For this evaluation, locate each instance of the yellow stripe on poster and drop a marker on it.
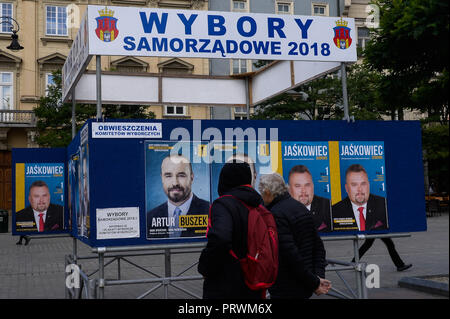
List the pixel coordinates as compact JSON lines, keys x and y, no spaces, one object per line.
{"x":276,"y":157}
{"x":20,"y":186}
{"x":335,"y":172}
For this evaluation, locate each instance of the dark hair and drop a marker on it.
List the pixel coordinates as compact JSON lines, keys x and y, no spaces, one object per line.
{"x":250,"y":161}
{"x":355,"y":168}
{"x":233,"y":175}
{"x":299,"y":169}
{"x":38,"y":184}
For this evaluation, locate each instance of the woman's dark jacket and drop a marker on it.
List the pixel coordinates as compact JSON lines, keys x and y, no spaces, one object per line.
{"x":301,"y":251}
{"x":228,"y":230}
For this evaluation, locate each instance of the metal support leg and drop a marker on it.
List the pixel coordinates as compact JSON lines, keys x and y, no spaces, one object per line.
{"x":92,"y":289}
{"x":363,"y":282}
{"x":359,"y":282}
{"x":74,"y":122}
{"x":167,"y":272}
{"x":98,"y":70}
{"x":118,"y":268}
{"x":344,"y":92}
{"x":75,"y":250}
{"x":101,"y":275}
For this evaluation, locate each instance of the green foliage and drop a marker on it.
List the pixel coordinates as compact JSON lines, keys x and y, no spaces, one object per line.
{"x":316,"y":100}
{"x":363,"y":93}
{"x":435,"y":141}
{"x":411,"y":49}
{"x":54,"y":122}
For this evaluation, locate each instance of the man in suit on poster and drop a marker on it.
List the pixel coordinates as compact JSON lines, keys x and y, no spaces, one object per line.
{"x":177,"y":177}
{"x":360,"y":210}
{"x":301,"y":188}
{"x":41,"y":215}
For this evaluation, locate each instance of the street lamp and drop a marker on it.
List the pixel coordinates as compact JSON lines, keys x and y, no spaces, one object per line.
{"x":14,"y":46}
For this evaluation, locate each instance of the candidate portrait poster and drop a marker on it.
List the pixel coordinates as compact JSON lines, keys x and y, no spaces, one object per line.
{"x":40,"y":207}
{"x":177,"y":189}
{"x":256,"y":153}
{"x":360,"y":202}
{"x":306,"y":170}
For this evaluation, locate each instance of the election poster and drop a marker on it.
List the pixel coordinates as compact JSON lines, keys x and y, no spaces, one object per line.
{"x":256,"y":153}
{"x":39,"y":197}
{"x":83,"y":212}
{"x":177,"y":189}
{"x":359,"y":202}
{"x":306,"y":170}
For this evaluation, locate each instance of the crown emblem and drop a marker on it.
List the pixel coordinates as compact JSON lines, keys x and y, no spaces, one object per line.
{"x":106,"y":12}
{"x":341,"y":23}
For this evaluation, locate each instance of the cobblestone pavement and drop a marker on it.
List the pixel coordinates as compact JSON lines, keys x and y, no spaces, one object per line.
{"x":38,"y":270}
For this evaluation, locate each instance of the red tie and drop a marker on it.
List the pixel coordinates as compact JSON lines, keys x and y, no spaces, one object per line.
{"x":362,"y":220}
{"x":41,"y":222}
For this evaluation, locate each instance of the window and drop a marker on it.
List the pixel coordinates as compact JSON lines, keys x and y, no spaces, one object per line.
{"x":239,"y":6}
{"x":239,"y":66}
{"x":48,"y":81}
{"x":363,"y":37}
{"x":6,"y":91}
{"x":284,"y":8}
{"x":56,"y":20}
{"x":240,"y":113}
{"x":171,"y":110}
{"x":5,"y":11}
{"x":320,"y":9}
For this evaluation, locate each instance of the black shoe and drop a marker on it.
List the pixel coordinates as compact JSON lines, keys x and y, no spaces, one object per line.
{"x":404,"y":267}
{"x":19,"y":243}
{"x":27,"y":241}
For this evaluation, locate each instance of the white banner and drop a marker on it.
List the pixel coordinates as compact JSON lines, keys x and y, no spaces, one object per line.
{"x":126,"y":130}
{"x":77,"y":60}
{"x":134,"y":31}
{"x":114,"y":223}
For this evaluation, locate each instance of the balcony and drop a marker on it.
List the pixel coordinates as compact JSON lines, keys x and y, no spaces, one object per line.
{"x":17,"y":118}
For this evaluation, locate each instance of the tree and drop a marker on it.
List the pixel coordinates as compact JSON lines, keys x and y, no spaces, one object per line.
{"x":54,"y":119}
{"x":410,"y":48}
{"x":316,"y":100}
{"x":363,"y":87}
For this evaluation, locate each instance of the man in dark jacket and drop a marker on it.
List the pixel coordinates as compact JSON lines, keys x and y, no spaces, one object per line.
{"x":228,"y":222}
{"x":301,"y":269}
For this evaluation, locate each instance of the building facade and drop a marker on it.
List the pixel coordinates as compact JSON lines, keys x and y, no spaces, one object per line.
{"x":235,"y":66}
{"x":47,"y":31}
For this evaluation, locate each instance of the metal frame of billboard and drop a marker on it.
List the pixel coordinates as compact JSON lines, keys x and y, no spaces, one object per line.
{"x":80,"y":56}
{"x":292,"y":70}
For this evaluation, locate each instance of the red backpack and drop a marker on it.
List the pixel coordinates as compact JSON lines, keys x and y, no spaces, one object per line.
{"x":260,"y":266}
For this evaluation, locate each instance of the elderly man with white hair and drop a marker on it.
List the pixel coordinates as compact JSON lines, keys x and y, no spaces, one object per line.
{"x":301,"y":252}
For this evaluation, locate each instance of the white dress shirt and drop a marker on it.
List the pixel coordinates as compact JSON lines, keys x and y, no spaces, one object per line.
{"x":184,"y":207}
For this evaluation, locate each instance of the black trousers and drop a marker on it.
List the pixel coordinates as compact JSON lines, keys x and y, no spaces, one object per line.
{"x":398,"y":262}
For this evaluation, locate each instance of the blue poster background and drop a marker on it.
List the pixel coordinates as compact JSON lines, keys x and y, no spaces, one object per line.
{"x":154,"y":192}
{"x":55,"y":182}
{"x":294,"y":153}
{"x":374,"y":164}
{"x":220,"y":153}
